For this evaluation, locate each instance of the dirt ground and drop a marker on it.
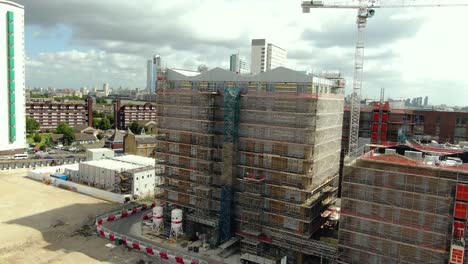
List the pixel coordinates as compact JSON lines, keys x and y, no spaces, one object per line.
{"x":42,"y":224}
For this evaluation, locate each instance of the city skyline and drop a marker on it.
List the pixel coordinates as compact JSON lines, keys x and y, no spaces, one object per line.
{"x":397,"y":42}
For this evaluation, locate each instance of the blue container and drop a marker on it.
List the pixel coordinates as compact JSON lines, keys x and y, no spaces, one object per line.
{"x":59,"y":176}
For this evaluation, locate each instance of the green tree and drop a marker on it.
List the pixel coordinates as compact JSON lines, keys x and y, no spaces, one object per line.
{"x":135,"y":127}
{"x":43,"y":147}
{"x":67,"y":132}
{"x":101,"y":101}
{"x":111,"y":118}
{"x":37,"y":138}
{"x":31,"y":125}
{"x":47,"y":141}
{"x":98,"y":114}
{"x":95,"y":123}
{"x":104,"y":124}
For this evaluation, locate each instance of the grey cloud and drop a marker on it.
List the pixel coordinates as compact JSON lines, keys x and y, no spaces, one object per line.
{"x":135,"y":25}
{"x":381,"y":30}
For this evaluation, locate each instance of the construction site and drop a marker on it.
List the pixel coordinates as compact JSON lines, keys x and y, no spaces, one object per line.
{"x":251,"y":161}
{"x":404,"y":204}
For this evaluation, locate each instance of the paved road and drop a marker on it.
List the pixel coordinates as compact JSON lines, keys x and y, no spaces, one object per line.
{"x":131,"y":227}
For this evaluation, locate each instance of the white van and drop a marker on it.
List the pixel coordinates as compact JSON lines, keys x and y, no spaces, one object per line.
{"x":20,"y":156}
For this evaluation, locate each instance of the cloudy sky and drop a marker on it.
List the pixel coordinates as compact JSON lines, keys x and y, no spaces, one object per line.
{"x":410,"y":52}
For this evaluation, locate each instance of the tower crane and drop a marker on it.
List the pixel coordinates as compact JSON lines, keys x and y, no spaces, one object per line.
{"x":366,"y":9}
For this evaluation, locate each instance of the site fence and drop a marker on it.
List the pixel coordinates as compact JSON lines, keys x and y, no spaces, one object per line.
{"x":151,"y":250}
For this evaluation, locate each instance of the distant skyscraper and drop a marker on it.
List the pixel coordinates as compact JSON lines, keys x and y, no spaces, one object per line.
{"x":426,"y":101}
{"x":153,"y":66}
{"x":12,"y":115}
{"x":266,"y":57}
{"x":106,"y":89}
{"x":84,"y":90}
{"x":238,"y":65}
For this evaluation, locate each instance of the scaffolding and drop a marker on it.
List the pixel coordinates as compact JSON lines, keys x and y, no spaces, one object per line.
{"x":287,"y":174}
{"x":259,"y":157}
{"x":189,"y":148}
{"x":395,"y":209}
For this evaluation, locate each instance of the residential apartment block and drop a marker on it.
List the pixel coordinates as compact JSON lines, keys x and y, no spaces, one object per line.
{"x":128,"y":113}
{"x":50,"y":114}
{"x":252,"y":156}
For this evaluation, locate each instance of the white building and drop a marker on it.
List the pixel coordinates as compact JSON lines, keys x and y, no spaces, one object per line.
{"x":152,"y":68}
{"x":276,"y":57}
{"x":99,"y":153}
{"x":84,"y":90}
{"x":12,"y":115}
{"x":118,"y":176}
{"x":265,"y":57}
{"x":144,"y":161}
{"x":106,"y":89}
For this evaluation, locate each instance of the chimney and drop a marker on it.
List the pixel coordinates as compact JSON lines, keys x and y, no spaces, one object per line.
{"x":117,"y":114}
{"x":90,"y":111}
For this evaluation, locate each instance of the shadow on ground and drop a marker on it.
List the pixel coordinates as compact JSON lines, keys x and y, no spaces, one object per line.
{"x":71,"y":229}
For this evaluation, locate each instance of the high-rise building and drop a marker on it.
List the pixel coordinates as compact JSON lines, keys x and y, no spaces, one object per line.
{"x":153,"y":66}
{"x":404,"y":204}
{"x":238,"y":64}
{"x":426,"y":101}
{"x":12,"y":115}
{"x":265,"y":57}
{"x":276,"y":57}
{"x":84,"y":91}
{"x":252,"y":156}
{"x":106,"y":89}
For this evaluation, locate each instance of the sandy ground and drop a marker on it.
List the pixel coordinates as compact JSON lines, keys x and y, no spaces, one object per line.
{"x":38,"y":224}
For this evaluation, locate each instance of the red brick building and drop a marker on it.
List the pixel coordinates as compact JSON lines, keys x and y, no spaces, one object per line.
{"x":442,"y":126}
{"x":127,"y":113}
{"x":50,"y":114}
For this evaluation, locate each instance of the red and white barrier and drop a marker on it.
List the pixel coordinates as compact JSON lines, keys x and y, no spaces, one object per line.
{"x":136,"y":244}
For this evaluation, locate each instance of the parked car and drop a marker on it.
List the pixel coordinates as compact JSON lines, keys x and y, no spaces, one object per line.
{"x":52,"y":152}
{"x":48,"y":157}
{"x":70,"y":157}
{"x":37,"y":157}
{"x":59,"y":146}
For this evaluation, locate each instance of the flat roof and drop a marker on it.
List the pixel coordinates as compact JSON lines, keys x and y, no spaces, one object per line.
{"x":99,"y":149}
{"x":402,"y":160}
{"x":139,"y":160}
{"x":112,"y":164}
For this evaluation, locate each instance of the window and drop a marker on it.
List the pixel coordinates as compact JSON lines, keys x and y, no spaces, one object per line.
{"x":137,"y":178}
{"x":137,"y":189}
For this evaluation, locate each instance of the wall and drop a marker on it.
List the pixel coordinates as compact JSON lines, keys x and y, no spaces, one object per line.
{"x":442,"y":124}
{"x":256,"y":58}
{"x":98,"y":177}
{"x":144,"y":183}
{"x":42,"y":175}
{"x":96,"y":154}
{"x":130,"y":144}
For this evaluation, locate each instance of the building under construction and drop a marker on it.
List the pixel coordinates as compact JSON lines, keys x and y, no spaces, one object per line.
{"x":404,"y":204}
{"x":252,"y":157}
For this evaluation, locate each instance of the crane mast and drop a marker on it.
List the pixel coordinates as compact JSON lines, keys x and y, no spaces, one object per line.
{"x":363,"y":14}
{"x":365,"y":10}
